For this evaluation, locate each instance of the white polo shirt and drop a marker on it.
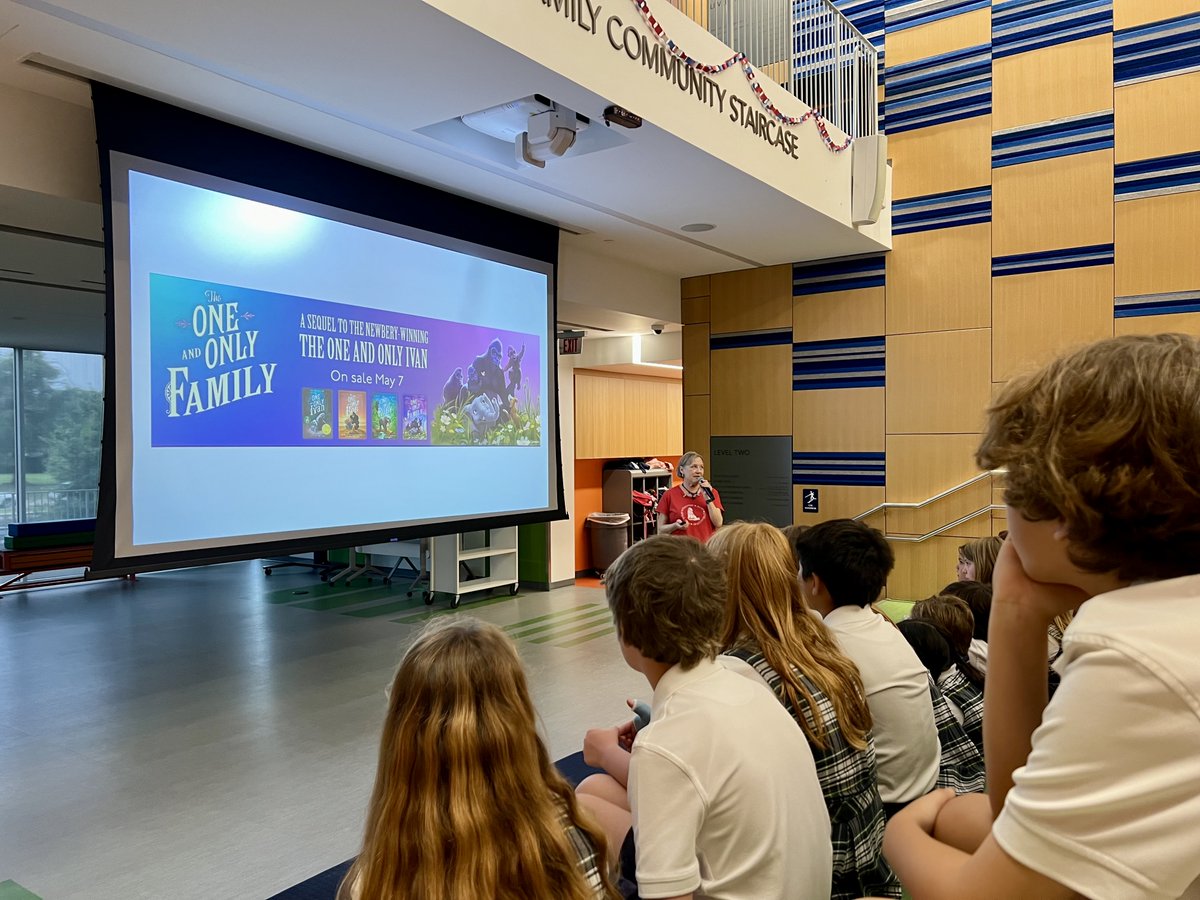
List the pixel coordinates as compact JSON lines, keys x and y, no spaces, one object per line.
{"x":977,"y":654}
{"x":1108,"y":803}
{"x":724,"y":793}
{"x":907,"y":751}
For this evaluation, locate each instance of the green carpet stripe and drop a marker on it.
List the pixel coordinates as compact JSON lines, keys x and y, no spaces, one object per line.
{"x":10,"y":890}
{"x":896,"y":610}
{"x":466,"y":607}
{"x":552,"y":615}
{"x":593,"y":614}
{"x":385,"y":608}
{"x":566,"y":632}
{"x":575,"y":642}
{"x":316,"y":591}
{"x":343,"y":599}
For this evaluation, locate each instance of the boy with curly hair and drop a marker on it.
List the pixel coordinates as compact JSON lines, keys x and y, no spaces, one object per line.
{"x":1102,"y":451}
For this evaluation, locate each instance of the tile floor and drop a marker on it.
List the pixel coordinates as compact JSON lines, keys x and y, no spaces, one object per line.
{"x":211,"y":733}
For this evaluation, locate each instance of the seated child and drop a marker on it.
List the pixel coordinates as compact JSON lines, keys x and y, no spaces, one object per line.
{"x":933,"y":650}
{"x":770,"y":628}
{"x":977,"y":559}
{"x":843,"y":569}
{"x":718,"y":795}
{"x":467,"y":802}
{"x":978,"y":597}
{"x":960,"y":682}
{"x":1096,"y":794}
{"x":791,"y":534}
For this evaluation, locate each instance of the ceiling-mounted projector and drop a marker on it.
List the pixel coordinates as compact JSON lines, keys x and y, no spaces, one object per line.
{"x":548,"y":135}
{"x":539,"y":128}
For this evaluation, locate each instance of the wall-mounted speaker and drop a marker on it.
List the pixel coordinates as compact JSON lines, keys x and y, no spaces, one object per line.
{"x":869,"y":183}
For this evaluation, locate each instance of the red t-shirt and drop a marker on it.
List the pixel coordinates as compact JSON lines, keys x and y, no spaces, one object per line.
{"x":677,"y":505}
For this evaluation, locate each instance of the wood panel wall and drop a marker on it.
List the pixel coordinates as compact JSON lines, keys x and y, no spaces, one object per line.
{"x":951,"y":318}
{"x":626,"y":415}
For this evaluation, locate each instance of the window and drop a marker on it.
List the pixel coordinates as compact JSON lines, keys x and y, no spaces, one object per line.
{"x":50,"y":466}
{"x":8,"y":438}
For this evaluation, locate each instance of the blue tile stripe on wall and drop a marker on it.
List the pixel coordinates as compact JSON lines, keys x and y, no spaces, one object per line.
{"x":1169,"y":47}
{"x":902,"y":14}
{"x":772,"y":337}
{"x":864,"y":469}
{"x":1156,"y":304}
{"x":1052,"y":260}
{"x":840,"y":275}
{"x":1062,"y":137}
{"x":1019,"y":26}
{"x":1174,"y":174}
{"x":846,"y":363}
{"x":939,"y":89}
{"x":945,"y":210}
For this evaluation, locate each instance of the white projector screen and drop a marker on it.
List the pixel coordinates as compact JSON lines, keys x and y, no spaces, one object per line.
{"x":286,"y":372}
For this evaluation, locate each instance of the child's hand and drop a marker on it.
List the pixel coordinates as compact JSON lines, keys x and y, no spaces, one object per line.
{"x":599,"y":745}
{"x":1012,"y":585}
{"x":626,"y":732}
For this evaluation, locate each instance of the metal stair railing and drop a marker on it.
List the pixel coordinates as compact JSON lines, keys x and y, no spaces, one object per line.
{"x":809,"y":47}
{"x":917,"y":539}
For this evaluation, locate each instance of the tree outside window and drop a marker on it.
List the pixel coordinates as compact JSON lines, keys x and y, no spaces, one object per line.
{"x":62,"y":411}
{"x":8,"y":438}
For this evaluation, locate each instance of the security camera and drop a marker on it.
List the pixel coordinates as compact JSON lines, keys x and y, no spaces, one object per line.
{"x":658,"y":327}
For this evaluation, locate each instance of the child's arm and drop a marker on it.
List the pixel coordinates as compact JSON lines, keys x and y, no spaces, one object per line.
{"x":964,"y":822}
{"x":1016,"y":692}
{"x":607,"y":749}
{"x":931,"y":870}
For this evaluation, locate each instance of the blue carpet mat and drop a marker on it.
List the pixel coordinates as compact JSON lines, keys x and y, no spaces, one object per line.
{"x":324,"y":885}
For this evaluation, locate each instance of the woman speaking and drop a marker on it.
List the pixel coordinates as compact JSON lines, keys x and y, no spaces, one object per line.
{"x":692,"y":508}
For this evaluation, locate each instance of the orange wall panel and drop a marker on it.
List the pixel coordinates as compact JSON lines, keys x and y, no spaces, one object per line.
{"x":589,"y":498}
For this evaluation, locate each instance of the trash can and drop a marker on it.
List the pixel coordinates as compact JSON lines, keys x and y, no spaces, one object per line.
{"x":608,"y":536}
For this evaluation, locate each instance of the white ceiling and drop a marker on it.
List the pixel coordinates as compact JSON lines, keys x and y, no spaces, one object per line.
{"x":358,"y":80}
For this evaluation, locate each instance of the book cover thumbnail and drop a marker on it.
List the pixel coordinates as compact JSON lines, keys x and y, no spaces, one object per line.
{"x":416,"y":417}
{"x":316,"y":414}
{"x":352,"y":415}
{"x":383,"y":417}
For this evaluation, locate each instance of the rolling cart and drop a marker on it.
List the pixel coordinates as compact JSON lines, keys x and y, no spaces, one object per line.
{"x":471,"y":562}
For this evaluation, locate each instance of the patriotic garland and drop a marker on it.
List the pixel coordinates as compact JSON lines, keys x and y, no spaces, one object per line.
{"x":739,"y":58}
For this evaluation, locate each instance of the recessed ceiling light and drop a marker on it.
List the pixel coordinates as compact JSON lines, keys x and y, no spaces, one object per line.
{"x":698,"y":226}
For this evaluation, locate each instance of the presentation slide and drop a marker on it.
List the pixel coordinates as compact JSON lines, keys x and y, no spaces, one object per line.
{"x":291,"y":370}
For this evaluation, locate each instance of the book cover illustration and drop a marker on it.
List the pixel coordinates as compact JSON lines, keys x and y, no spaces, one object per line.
{"x":317,"y":413}
{"x":490,"y":400}
{"x":416,"y":417}
{"x":383,"y":417}
{"x":352,"y":415}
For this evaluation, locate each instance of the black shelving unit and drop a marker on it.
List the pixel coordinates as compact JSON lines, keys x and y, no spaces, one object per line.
{"x":619,"y":485}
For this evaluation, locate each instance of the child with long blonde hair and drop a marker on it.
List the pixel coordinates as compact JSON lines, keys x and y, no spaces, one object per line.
{"x":467,"y":803}
{"x":770,"y":628}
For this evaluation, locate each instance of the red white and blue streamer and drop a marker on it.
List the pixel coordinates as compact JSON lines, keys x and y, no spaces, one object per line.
{"x":739,"y":59}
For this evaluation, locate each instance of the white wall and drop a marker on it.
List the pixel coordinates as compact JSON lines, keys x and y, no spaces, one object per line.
{"x":562,"y":534}
{"x":591,"y":279}
{"x":49,"y":146}
{"x":815,"y":177}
